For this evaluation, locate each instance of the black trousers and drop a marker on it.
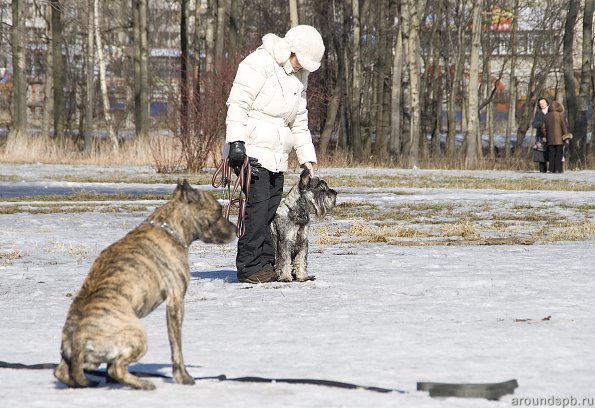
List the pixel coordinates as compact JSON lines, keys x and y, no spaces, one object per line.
{"x":254,"y":248}
{"x":555,"y":153}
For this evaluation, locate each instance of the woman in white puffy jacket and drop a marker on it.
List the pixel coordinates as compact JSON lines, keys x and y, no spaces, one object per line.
{"x":267,"y":118}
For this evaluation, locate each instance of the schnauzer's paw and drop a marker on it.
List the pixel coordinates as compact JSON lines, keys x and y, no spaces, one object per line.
{"x":305,"y":278}
{"x":284,"y":277}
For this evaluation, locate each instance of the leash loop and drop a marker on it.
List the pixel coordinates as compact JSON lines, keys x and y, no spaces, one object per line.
{"x":239,"y":195}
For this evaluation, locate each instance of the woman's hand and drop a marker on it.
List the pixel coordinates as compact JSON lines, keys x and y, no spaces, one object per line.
{"x":308,"y":165}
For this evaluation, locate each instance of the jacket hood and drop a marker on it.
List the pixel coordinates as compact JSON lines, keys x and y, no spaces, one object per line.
{"x":556,"y":106}
{"x":277,"y":47}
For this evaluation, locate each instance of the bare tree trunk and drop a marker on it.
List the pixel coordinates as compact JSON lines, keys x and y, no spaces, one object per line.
{"x":568,"y":45}
{"x":382,"y":68}
{"x":511,"y":122}
{"x":90,"y":67}
{"x":435,"y":97}
{"x":48,"y":98}
{"x":592,"y":152}
{"x":331,"y":117}
{"x":394,"y":145}
{"x":235,"y":22}
{"x":103,"y":79}
{"x":210,"y":35}
{"x":410,"y":14}
{"x":473,"y":99}
{"x":490,"y":129}
{"x":184,"y":71}
{"x":459,"y":66}
{"x":58,"y":68}
{"x":19,"y":120}
{"x":293,"y":13}
{"x":141,"y":69}
{"x":578,"y":145}
{"x":356,"y":84}
{"x":222,"y":12}
{"x":302,"y":11}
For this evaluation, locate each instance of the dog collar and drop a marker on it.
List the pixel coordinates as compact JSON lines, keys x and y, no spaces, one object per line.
{"x":169,"y":229}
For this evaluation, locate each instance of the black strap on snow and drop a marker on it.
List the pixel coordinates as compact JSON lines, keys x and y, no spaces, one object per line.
{"x":222,"y":377}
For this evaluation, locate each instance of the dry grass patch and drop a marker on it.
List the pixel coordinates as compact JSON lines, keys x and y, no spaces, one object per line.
{"x":89,"y":196}
{"x":463,"y":182}
{"x":11,"y":254}
{"x":569,"y":232}
{"x":71,"y":208}
{"x":45,"y":150}
{"x":462,"y":228}
{"x":324,"y":237}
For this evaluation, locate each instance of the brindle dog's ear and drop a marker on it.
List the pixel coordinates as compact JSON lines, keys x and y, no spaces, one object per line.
{"x":178,"y":190}
{"x":189,"y":194}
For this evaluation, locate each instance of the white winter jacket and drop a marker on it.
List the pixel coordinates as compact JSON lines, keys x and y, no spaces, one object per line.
{"x":266,"y":107}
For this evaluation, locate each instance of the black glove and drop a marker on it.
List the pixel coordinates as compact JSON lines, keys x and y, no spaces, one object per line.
{"x":237,"y":155}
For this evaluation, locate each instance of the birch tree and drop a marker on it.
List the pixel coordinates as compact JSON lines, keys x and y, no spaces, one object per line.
{"x":90,"y":68}
{"x":19,"y":117}
{"x":472,"y":135}
{"x":455,"y":75}
{"x":103,"y":79}
{"x":293,"y":13}
{"x":356,"y":83}
{"x":210,"y":23}
{"x":394,"y":144}
{"x":410,"y":15}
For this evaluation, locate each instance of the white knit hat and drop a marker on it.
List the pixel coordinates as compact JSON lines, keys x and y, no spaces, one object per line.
{"x":307,"y":45}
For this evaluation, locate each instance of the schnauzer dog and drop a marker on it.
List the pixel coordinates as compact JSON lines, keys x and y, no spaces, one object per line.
{"x":289,"y":228}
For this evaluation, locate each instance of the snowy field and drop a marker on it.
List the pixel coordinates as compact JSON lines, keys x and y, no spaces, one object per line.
{"x":379,"y":314}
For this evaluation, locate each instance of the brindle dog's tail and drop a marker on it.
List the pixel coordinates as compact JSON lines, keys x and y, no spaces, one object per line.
{"x":77,"y":365}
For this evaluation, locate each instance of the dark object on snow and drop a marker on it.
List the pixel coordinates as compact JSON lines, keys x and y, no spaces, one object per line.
{"x":491,"y":391}
{"x":221,"y":377}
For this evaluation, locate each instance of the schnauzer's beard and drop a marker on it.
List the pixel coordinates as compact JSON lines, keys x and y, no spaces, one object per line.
{"x":321,"y":201}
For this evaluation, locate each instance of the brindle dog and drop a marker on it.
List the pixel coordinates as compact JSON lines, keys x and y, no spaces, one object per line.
{"x":128,"y":281}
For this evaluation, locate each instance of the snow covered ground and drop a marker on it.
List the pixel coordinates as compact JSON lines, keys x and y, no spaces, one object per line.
{"x":377,"y":315}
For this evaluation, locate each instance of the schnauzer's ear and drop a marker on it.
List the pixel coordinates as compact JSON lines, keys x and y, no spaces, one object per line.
{"x":304,"y":179}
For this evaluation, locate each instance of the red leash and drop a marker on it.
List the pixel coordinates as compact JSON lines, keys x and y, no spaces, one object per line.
{"x":222,"y":178}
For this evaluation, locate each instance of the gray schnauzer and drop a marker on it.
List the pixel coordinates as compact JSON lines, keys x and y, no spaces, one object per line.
{"x":289,"y":228}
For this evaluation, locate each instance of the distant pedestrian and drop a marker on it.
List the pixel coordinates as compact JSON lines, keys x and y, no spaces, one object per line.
{"x":555,"y":126}
{"x":540,"y":146}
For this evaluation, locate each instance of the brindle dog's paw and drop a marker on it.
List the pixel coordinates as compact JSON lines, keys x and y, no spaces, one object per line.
{"x":145,"y":385}
{"x":181,"y":376}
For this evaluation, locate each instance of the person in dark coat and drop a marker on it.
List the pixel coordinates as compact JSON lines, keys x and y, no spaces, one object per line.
{"x":555,"y":126}
{"x":540,"y":148}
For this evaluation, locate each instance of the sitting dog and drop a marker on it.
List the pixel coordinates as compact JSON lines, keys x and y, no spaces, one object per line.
{"x":289,"y":228}
{"x":128,"y":281}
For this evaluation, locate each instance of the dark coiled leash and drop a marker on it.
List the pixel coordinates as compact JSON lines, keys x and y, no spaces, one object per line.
{"x":490,"y":391}
{"x":222,"y":178}
{"x":222,"y":377}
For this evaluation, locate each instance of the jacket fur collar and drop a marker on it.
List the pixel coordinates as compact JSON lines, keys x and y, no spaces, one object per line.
{"x":277,"y":47}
